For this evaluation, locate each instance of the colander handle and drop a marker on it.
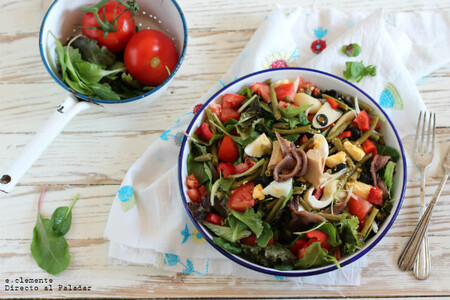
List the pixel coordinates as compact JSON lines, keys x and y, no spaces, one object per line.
{"x":41,"y":140}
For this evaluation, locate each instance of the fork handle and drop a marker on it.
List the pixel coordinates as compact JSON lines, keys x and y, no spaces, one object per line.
{"x":409,"y":254}
{"x":422,"y":265}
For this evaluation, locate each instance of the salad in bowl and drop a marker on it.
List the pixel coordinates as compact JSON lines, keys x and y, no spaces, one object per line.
{"x":292,"y":172}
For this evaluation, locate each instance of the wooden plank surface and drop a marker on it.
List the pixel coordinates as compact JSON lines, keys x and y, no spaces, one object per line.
{"x":96,"y":149}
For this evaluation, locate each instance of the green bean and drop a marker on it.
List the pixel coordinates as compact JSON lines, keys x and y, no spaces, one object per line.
{"x":365,"y":106}
{"x":249,"y":171}
{"x":271,"y":204}
{"x":249,"y":178}
{"x":306,"y":144}
{"x":214,"y":151}
{"x":203,"y":157}
{"x":301,"y":129}
{"x":275,"y":209}
{"x":338,"y":145}
{"x":210,"y":120}
{"x":375,"y":136}
{"x":266,"y":107}
{"x":366,"y":134}
{"x":339,"y":130}
{"x":281,"y":125}
{"x":264,"y":167}
{"x":273,"y":97}
{"x":332,"y":217}
{"x":350,"y":162}
{"x":368,"y":225}
{"x":305,"y":205}
{"x":342,"y":105}
{"x":298,"y":190}
{"x":360,"y":163}
{"x":332,"y":151}
{"x":247,"y":103}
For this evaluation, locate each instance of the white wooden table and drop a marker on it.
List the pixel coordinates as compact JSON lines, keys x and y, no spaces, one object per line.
{"x":93,"y":153}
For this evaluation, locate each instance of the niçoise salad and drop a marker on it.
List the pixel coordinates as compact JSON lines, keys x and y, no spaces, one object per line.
{"x":289,"y":176}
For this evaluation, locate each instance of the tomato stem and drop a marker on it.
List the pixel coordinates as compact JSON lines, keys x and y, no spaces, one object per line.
{"x":105,"y":26}
{"x":155,"y":62}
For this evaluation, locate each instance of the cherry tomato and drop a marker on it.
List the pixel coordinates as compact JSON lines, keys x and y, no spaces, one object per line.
{"x":242,"y":197}
{"x":192,"y":181}
{"x":114,"y":41}
{"x":215,"y":219}
{"x":194,"y":195}
{"x":150,"y":56}
{"x":228,"y":150}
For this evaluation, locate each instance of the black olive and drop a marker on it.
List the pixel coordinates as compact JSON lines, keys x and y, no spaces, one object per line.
{"x":348,"y":100}
{"x":263,"y":180}
{"x":322,"y":120}
{"x":365,"y":177}
{"x":355,"y":133}
{"x":299,"y":183}
{"x":339,"y":167}
{"x":331,"y":93}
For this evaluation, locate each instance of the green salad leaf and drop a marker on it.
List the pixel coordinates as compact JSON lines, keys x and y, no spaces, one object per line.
{"x":227,"y":245}
{"x":388,"y":174}
{"x":347,"y":229}
{"x":251,"y":219}
{"x":227,"y":232}
{"x":351,"y":50}
{"x":355,"y":71}
{"x":388,"y":151}
{"x":62,"y":218}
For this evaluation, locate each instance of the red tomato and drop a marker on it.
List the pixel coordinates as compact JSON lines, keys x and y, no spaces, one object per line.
{"x":242,"y":197}
{"x":194,"y":195}
{"x":282,"y":104}
{"x":362,"y":121}
{"x":202,"y":190}
{"x":215,"y":219}
{"x":150,"y":56}
{"x":232,"y":100}
{"x":285,"y":92}
{"x":345,"y":134}
{"x":241,"y":168}
{"x":251,"y":240}
{"x":317,"y":193}
{"x":227,"y":169}
{"x":300,"y":243}
{"x":125,"y":27}
{"x":192,"y":182}
{"x":376,"y":196}
{"x":204,"y":131}
{"x":359,"y":207}
{"x":261,"y":89}
{"x":228,"y":113}
{"x":228,"y":150}
{"x":321,"y":237}
{"x":216,"y":109}
{"x":332,"y":103}
{"x":303,"y":140}
{"x":369,"y":147}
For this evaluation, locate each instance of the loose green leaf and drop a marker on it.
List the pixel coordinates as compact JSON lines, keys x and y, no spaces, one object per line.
{"x":251,"y":219}
{"x":355,"y":71}
{"x":62,"y":218}
{"x":351,"y":50}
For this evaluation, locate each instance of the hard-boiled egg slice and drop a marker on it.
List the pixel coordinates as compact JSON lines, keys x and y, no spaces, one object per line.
{"x":325,"y":116}
{"x":278,"y":189}
{"x":320,"y":142}
{"x":260,"y":146}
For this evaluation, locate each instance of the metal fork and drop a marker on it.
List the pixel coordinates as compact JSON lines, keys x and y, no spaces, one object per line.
{"x":423,"y":155}
{"x":406,"y":259}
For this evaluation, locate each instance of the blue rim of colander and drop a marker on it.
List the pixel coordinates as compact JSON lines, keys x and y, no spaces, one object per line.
{"x":292,"y":273}
{"x":96,"y":100}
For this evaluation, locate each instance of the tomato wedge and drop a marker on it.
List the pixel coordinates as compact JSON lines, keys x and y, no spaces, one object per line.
{"x":227,"y":169}
{"x":192,"y":181}
{"x":261,"y":89}
{"x":321,"y":237}
{"x":242,"y":197}
{"x":228,"y":113}
{"x":213,"y":218}
{"x":376,"y":196}
{"x":285,"y":92}
{"x":194,"y":195}
{"x":204,"y":131}
{"x":232,"y":100}
{"x":251,"y":240}
{"x":369,"y":147}
{"x":359,"y":207}
{"x":362,"y":121}
{"x":228,"y":150}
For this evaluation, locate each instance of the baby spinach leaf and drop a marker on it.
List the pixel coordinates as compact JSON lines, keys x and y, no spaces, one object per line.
{"x":49,"y":250}
{"x":351,"y":50}
{"x":62,"y":218}
{"x":388,"y":151}
{"x":93,"y":53}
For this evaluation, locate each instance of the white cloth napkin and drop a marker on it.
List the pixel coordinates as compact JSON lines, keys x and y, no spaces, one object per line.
{"x":148,"y":223}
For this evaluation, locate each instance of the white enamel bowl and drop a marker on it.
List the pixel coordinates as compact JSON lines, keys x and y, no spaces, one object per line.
{"x":323,"y":81}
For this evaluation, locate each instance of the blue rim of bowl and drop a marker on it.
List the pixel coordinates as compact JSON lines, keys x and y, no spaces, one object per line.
{"x":96,"y":100}
{"x":294,"y":273}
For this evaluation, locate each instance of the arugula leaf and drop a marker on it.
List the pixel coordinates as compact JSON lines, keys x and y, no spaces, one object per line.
{"x":355,"y":71}
{"x":62,"y":218}
{"x":347,"y":229}
{"x":251,"y":219}
{"x":333,"y":237}
{"x":226,"y":245}
{"x":265,"y":236}
{"x":351,"y":50}
{"x":226,"y":233}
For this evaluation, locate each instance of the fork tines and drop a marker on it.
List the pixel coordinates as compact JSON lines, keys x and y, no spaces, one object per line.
{"x":425,"y":130}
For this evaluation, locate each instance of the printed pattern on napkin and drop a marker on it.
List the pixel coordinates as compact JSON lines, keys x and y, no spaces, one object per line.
{"x":148,"y":223}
